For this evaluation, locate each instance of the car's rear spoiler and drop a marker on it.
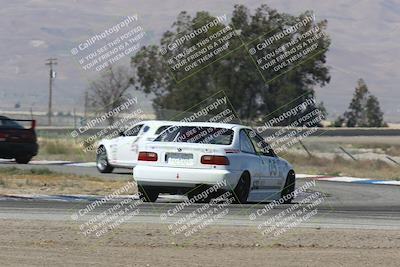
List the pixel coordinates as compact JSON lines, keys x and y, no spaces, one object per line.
{"x":33,"y":122}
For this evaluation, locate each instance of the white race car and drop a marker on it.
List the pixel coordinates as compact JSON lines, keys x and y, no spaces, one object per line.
{"x":122,"y":150}
{"x":190,"y":158}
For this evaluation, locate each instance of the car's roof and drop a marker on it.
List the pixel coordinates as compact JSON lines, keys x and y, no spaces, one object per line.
{"x":201,"y":124}
{"x":211,"y":124}
{"x":155,"y":122}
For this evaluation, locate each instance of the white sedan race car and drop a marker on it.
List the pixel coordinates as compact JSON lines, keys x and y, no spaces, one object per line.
{"x":122,"y":150}
{"x":191,"y":158}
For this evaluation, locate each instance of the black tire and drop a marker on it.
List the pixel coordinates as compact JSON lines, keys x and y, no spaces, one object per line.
{"x":148,"y":194}
{"x":23,"y":159}
{"x":197,"y":191}
{"x":242,"y":189}
{"x":289,"y":187}
{"x":102,"y":162}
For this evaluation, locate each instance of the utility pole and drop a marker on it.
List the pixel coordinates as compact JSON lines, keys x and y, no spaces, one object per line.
{"x":85,"y":113}
{"x":74,"y":118}
{"x":52,"y":74}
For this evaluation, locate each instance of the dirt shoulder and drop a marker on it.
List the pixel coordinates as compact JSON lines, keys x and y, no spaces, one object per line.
{"x":47,"y":182}
{"x":38,"y":243}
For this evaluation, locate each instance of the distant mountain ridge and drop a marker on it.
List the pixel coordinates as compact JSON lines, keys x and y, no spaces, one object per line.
{"x":365,"y":44}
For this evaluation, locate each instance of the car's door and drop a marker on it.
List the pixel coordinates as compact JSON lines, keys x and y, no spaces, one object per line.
{"x":250,"y":159}
{"x":271,"y":174}
{"x":127,"y":145}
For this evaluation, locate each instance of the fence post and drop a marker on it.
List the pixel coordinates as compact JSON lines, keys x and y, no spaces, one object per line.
{"x":305,"y":148}
{"x":348,"y":154}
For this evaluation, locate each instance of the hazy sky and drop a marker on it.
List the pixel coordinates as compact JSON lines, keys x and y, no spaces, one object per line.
{"x":365,"y":44}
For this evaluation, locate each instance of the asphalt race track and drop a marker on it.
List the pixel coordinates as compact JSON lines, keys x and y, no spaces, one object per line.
{"x":345,"y":205}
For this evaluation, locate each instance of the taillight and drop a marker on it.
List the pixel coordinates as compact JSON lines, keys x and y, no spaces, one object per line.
{"x":147,"y":156}
{"x":214,"y":160}
{"x":33,"y":124}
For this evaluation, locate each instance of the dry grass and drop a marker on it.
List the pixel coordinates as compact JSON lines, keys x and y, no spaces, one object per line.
{"x":389,"y":145}
{"x":340,"y":167}
{"x":45,"y":181}
{"x":63,"y":149}
{"x":70,"y":149}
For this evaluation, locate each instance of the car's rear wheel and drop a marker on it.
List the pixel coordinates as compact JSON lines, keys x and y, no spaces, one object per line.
{"x":197,"y":196}
{"x":148,"y":194}
{"x":289,"y":187}
{"x":242,"y":189}
{"x":102,"y":162}
{"x":24,"y":159}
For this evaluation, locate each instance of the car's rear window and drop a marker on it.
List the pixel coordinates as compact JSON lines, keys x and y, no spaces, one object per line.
{"x":9,"y":124}
{"x":162,"y":128}
{"x":194,"y":134}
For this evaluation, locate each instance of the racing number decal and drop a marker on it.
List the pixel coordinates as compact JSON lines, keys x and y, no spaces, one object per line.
{"x":134,"y":147}
{"x":273,"y":169}
{"x":113,"y":152}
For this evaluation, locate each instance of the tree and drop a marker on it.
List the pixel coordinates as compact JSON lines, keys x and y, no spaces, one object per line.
{"x":236,"y":72}
{"x":356,"y":114}
{"x":338,"y":122}
{"x":363,"y":111}
{"x":374,"y":113}
{"x":110,"y":90}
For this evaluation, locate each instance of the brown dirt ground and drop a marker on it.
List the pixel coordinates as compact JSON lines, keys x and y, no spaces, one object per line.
{"x":56,"y":243}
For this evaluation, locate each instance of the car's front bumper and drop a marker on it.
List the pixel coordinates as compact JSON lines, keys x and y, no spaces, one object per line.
{"x":185,"y":177}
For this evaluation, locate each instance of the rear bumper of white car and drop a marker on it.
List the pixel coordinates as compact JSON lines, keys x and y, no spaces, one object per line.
{"x":184,"y":177}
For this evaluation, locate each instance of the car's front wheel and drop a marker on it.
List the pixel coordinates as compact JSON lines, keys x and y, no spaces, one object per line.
{"x":102,"y":162}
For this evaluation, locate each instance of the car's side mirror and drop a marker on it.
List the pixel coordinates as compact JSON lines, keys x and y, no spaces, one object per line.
{"x":269,"y":152}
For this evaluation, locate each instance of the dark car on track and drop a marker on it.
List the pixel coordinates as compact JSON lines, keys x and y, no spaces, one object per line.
{"x":16,"y":141}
